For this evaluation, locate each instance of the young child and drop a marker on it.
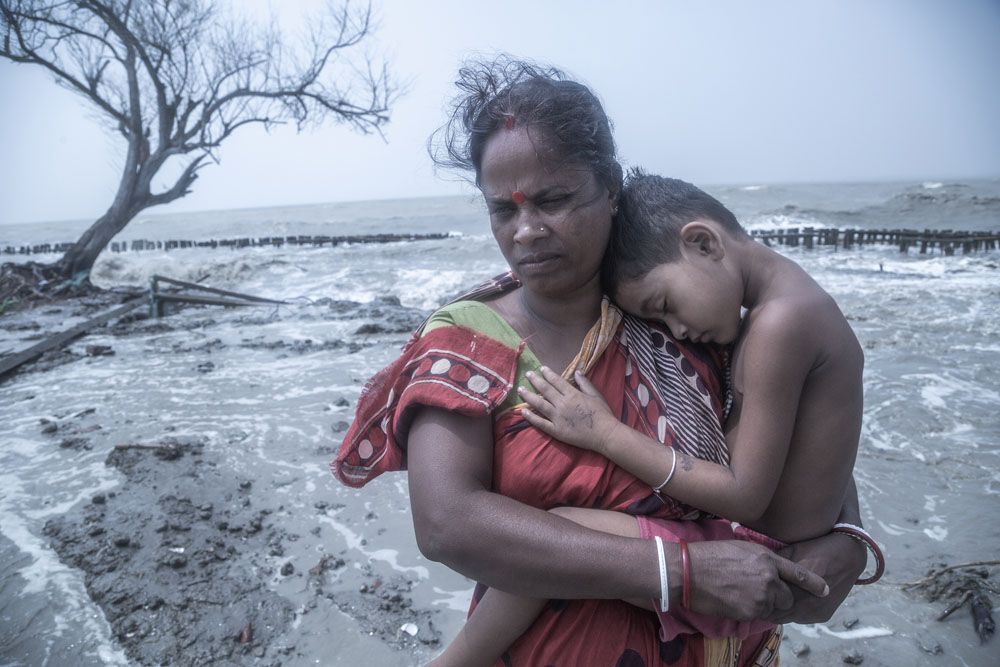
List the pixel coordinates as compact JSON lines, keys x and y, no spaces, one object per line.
{"x":679,"y":256}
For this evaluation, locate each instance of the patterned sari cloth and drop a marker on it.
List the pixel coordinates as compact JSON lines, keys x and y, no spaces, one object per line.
{"x":666,"y":390}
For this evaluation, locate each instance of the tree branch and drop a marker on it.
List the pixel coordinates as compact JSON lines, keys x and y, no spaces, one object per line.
{"x":176,"y":78}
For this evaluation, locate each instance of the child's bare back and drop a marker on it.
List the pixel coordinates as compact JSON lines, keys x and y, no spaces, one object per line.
{"x":799,"y":327}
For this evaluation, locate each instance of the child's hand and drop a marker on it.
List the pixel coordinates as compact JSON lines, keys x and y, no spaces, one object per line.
{"x":578,"y":417}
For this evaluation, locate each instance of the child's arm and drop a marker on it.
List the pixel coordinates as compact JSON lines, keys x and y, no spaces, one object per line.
{"x":775,"y":369}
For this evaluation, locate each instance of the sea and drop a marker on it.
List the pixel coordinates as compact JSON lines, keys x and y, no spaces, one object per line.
{"x":928,"y":467}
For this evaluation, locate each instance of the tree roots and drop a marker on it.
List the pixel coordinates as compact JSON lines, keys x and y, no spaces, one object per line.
{"x":32,"y":283}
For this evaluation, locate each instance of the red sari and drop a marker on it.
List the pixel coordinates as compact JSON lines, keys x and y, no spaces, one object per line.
{"x":668,"y":391}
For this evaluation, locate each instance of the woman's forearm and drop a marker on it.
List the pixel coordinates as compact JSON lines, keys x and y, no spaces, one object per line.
{"x":523,"y":550}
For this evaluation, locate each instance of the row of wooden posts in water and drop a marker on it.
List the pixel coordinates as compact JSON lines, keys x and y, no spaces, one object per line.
{"x":235,"y":244}
{"x":946,"y":241}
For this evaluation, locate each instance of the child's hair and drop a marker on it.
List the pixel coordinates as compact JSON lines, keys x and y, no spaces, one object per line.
{"x":646,"y":232}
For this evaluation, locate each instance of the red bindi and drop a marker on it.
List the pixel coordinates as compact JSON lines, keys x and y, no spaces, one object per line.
{"x":518,"y":197}
{"x":509,"y":122}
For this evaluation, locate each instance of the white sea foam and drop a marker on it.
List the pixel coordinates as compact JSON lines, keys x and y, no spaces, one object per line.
{"x":455,"y":600}
{"x":781,"y":221}
{"x":816,"y":629}
{"x":938,"y":533}
{"x":389,"y":556}
{"x":891,"y":529}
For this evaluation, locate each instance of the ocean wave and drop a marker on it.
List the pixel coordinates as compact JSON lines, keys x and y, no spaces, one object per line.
{"x":788,"y":219}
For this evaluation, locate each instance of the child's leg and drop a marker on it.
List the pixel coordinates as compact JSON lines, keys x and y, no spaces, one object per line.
{"x":500,"y":618}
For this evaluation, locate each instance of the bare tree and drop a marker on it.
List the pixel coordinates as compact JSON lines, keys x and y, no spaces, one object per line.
{"x":177,"y":77}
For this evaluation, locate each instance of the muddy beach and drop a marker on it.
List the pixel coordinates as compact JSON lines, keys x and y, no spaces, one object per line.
{"x":193,"y":561}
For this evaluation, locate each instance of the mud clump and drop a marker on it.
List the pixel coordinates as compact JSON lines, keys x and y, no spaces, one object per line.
{"x":176,"y":558}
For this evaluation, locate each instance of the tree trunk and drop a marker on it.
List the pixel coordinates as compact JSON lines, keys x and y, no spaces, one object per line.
{"x":81,"y":257}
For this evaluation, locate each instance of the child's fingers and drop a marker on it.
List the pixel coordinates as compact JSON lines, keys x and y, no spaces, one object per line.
{"x":535,"y":419}
{"x":556,"y":380}
{"x":537,"y":402}
{"x":542,"y":385}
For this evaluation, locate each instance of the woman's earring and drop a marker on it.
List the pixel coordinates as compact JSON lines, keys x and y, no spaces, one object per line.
{"x":614,"y":210}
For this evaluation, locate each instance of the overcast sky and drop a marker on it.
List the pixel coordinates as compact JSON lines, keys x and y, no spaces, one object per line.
{"x":716,"y":92}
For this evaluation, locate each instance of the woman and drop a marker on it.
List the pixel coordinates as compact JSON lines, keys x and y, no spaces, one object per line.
{"x":543,"y":155}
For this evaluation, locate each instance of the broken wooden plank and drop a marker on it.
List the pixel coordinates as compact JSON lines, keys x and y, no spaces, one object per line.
{"x":203,"y":300}
{"x":214,"y":290}
{"x":58,"y":340}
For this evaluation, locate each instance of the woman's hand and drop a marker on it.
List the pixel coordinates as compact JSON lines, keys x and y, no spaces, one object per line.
{"x":743,"y":581}
{"x":578,"y":417}
{"x":840,"y":560}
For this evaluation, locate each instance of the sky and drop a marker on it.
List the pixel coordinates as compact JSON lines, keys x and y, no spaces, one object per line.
{"x":721,"y":92}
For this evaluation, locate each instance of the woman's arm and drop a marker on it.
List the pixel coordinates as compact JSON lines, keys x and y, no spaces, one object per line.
{"x":462,"y":523}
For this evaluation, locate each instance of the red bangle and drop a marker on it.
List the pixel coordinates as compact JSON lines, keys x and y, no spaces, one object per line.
{"x":860,"y":534}
{"x":686,"y":568}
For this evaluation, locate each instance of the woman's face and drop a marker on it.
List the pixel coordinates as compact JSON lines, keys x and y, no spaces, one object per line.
{"x":551,"y":222}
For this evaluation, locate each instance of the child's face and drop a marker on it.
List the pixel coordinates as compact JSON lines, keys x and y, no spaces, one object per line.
{"x":694,"y":296}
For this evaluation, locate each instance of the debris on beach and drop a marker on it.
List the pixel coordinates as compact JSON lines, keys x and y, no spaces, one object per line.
{"x":958,"y":585}
{"x":853,"y":657}
{"x":982,"y":619}
{"x":176,"y":558}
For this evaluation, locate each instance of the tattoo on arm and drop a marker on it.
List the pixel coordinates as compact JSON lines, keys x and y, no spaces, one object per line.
{"x":685,"y":462}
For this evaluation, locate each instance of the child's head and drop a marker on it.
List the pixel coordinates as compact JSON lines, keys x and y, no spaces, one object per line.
{"x":660,"y":222}
{"x":647,"y":231}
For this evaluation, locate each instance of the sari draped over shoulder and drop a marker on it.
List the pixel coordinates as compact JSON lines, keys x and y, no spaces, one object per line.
{"x":466,"y":358}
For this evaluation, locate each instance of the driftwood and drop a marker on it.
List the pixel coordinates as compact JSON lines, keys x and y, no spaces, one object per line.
{"x":938,"y":573}
{"x":166,"y":452}
{"x":956,"y":606}
{"x":962,"y":588}
{"x":982,"y":619}
{"x":62,"y":338}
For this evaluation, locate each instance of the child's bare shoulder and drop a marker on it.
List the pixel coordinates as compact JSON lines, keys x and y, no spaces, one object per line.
{"x":790,"y":316}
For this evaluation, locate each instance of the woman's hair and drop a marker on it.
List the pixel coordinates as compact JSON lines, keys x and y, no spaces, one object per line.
{"x":647,"y":231}
{"x":563,"y":116}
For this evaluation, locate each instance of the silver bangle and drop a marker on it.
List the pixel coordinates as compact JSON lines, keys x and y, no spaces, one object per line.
{"x":664,"y":582}
{"x":670,"y":475}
